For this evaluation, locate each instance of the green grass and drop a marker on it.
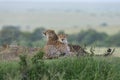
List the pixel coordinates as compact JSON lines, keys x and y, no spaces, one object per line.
{"x":67,"y":68}
{"x":9,"y":70}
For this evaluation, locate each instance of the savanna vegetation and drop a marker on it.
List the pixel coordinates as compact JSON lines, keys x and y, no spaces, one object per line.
{"x":21,"y":56}
{"x":69,"y":68}
{"x":34,"y":67}
{"x":9,"y":34}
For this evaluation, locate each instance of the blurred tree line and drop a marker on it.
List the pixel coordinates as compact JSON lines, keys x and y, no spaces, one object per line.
{"x":8,"y":34}
{"x":90,"y":37}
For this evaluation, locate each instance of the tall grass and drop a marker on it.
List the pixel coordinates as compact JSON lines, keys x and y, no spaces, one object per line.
{"x":67,"y":68}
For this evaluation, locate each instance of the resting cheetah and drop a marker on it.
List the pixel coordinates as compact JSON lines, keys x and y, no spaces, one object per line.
{"x":72,"y":48}
{"x":54,"y":48}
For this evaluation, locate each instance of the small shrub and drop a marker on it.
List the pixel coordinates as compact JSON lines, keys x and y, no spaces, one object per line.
{"x":34,"y":71}
{"x":37,"y":57}
{"x":38,"y":68}
{"x":23,"y":61}
{"x":23,"y":66}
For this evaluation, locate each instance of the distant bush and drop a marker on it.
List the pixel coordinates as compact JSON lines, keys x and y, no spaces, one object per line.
{"x":35,"y":38}
{"x":104,"y":24}
{"x":88,"y":37}
{"x":8,"y":34}
{"x":113,"y":40}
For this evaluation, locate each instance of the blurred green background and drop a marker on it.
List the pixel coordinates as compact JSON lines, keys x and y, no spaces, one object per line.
{"x":11,"y":34}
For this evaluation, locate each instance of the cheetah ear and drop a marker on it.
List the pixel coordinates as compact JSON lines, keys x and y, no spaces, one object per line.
{"x":52,"y":31}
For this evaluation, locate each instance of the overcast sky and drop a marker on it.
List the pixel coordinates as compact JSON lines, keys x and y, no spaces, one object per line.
{"x":62,"y":0}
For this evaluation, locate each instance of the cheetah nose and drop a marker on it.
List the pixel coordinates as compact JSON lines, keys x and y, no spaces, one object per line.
{"x":62,"y":39}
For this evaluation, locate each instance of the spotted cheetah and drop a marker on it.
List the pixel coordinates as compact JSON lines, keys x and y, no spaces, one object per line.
{"x":72,"y":48}
{"x":54,"y":48}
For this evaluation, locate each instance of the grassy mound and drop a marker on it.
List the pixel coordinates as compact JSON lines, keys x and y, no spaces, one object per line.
{"x":83,"y":68}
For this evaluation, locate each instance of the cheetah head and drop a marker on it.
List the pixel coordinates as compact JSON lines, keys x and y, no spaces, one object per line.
{"x":62,"y":38}
{"x":50,"y":34}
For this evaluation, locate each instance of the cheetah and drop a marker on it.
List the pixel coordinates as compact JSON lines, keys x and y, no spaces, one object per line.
{"x":72,"y":48}
{"x":54,"y":48}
